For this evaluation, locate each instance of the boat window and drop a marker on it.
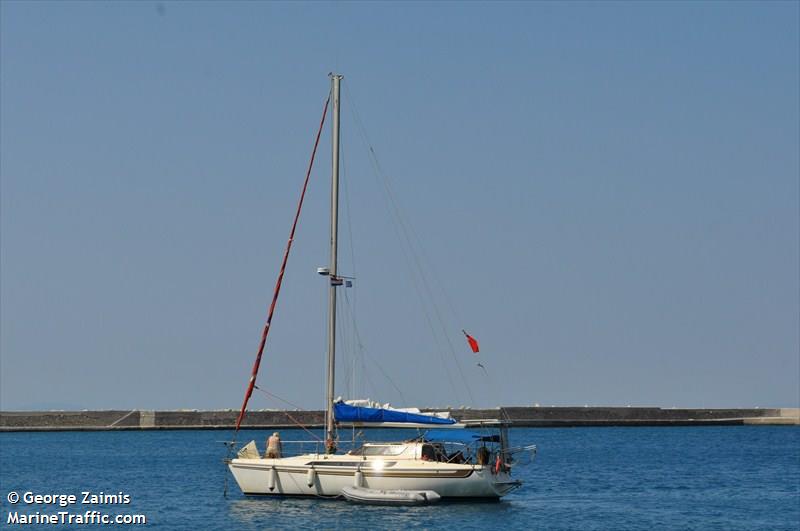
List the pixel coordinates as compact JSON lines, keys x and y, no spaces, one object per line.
{"x":428,"y":453}
{"x":379,"y":450}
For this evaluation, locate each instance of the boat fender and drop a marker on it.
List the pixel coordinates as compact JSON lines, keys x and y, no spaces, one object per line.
{"x":310,"y":477}
{"x":498,"y":464}
{"x":358,"y":478}
{"x":273,"y":476}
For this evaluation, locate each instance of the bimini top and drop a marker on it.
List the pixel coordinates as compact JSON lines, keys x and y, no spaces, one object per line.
{"x":374,"y":415}
{"x":458,"y":436}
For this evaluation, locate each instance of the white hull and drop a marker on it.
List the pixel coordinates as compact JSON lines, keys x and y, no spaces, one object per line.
{"x":290,"y":477}
{"x":415,"y":465}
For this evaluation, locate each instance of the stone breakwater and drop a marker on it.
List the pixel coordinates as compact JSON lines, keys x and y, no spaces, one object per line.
{"x":268,"y":419}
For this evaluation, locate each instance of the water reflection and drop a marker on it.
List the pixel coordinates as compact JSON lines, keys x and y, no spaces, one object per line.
{"x":269,"y":512}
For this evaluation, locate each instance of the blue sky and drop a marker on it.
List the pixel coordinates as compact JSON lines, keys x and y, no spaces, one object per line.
{"x":606,"y":192}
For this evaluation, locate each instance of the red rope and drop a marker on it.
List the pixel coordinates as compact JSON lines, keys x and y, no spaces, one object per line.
{"x":265,"y":333}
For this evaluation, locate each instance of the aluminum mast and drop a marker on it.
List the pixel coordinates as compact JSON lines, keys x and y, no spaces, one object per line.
{"x":330,"y":435}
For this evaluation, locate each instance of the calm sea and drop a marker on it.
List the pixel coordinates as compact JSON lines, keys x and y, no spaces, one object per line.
{"x":583,"y":478}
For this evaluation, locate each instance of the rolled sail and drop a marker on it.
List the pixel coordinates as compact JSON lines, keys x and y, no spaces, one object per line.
{"x":372,"y":415}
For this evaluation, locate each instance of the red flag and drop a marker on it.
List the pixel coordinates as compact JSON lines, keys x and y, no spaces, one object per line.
{"x":473,"y":343}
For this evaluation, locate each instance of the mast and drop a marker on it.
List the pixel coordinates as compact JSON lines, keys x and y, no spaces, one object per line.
{"x":330,"y":435}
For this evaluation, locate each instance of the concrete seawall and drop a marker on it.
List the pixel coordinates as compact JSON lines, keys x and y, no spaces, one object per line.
{"x":519,"y":417}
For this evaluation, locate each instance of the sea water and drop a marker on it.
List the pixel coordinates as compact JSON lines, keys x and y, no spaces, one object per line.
{"x":737,"y":477}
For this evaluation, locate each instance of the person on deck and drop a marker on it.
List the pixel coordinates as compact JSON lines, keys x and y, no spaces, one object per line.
{"x":428,"y":453}
{"x":483,"y":456}
{"x":274,"y":446}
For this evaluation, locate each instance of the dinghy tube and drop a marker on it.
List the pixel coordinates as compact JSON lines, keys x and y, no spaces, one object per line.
{"x":390,"y":497}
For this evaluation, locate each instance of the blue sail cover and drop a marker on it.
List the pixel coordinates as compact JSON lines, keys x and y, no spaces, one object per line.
{"x":347,"y":413}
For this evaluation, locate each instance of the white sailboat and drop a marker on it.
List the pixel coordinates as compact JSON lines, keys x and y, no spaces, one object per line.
{"x":469,"y":460}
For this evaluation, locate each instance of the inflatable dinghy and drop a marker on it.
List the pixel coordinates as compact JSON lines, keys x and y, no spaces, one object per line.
{"x":390,"y":497}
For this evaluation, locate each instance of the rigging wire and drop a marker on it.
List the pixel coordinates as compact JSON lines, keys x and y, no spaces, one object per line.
{"x":404,"y":234}
{"x":353,"y":272}
{"x":365,"y":351}
{"x":351,"y":338}
{"x":437,"y":279}
{"x":419,"y":291}
{"x":403,"y":244}
{"x":488,"y":380}
{"x":350,"y":380}
{"x":265,"y":332}
{"x":344,"y":347}
{"x":298,"y":423}
{"x":426,"y":285}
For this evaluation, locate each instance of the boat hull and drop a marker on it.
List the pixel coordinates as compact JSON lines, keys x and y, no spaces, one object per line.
{"x":291,"y":477}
